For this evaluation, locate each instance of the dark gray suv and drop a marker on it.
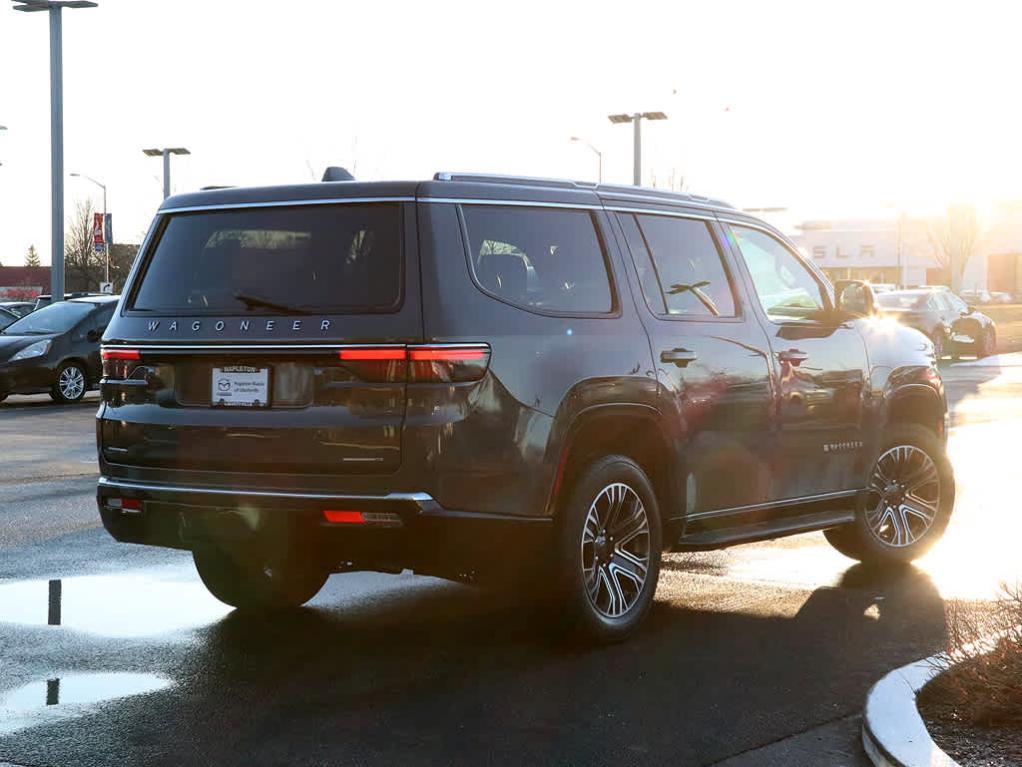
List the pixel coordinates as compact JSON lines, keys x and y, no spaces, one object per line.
{"x":508,"y":381}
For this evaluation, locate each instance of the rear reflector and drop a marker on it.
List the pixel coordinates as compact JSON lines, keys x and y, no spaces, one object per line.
{"x":375,"y":518}
{"x":345,"y":517}
{"x":124,"y":504}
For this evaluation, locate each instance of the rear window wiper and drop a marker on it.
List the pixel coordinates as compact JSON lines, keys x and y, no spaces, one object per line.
{"x":252,"y":301}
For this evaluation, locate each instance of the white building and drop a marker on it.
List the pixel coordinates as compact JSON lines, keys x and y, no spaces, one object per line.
{"x":899,"y":251}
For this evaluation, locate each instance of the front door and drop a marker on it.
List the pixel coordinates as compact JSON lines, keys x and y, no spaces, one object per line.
{"x":820,"y":366}
{"x":712,"y":362}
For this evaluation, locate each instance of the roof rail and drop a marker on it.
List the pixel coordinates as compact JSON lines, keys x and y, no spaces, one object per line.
{"x":557,"y":183}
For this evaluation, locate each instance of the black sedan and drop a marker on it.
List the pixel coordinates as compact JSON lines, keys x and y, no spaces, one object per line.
{"x":55,"y":349}
{"x":954,"y":327}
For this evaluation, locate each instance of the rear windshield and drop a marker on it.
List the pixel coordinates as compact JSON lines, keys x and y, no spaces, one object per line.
{"x":317,"y":258}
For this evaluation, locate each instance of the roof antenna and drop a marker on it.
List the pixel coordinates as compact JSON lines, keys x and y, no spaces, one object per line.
{"x":337,"y":173}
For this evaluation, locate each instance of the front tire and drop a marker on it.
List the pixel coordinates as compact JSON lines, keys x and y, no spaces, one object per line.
{"x":608,"y":550}
{"x":249,"y":582}
{"x":70,"y":385}
{"x":907,"y":504}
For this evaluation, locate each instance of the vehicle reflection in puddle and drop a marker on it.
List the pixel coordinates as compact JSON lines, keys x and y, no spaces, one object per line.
{"x":62,"y":697}
{"x":120,"y":606}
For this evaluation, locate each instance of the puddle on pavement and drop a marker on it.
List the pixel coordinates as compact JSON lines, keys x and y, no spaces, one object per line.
{"x":118,"y":606}
{"x":70,"y":695}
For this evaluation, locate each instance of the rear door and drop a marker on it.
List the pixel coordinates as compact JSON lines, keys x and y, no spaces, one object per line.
{"x":270,"y":340}
{"x":821,"y":369}
{"x":711,"y":359}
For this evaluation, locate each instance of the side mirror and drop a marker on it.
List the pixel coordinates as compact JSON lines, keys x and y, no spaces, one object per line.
{"x":93,"y":336}
{"x":854,"y":297}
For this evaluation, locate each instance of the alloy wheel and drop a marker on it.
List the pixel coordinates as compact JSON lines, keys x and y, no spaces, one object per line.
{"x":615,"y":550}
{"x":904,"y":496}
{"x":71,"y":382}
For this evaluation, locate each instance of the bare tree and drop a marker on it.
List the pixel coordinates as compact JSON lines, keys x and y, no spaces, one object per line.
{"x":83,"y":266}
{"x":953,"y":237}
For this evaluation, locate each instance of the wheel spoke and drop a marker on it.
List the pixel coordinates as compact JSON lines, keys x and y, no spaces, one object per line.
{"x":615,"y":550}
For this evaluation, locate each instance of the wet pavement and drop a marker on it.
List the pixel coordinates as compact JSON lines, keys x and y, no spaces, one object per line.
{"x":760,"y":654}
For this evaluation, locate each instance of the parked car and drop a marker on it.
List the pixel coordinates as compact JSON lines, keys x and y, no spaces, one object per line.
{"x":46,"y":299}
{"x":55,"y":349}
{"x":523,"y":383}
{"x":977,"y":297}
{"x":19,"y":308}
{"x":883,"y":287}
{"x":6,"y":317}
{"x":953,"y":326}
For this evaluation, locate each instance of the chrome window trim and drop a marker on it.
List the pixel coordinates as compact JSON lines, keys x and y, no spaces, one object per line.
{"x":284,"y":203}
{"x":290,"y":347}
{"x":510,"y":203}
{"x":655,"y":212}
{"x":129,"y":485}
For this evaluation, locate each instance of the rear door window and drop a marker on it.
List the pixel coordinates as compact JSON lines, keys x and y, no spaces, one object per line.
{"x":317,"y":258}
{"x":544,"y":259}
{"x":680,"y":266}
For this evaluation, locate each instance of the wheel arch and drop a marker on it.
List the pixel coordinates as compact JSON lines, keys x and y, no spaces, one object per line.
{"x":919,"y":404}
{"x":632,"y":430}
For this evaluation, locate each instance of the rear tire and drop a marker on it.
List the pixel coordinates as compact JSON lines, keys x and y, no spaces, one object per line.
{"x":249,"y":582}
{"x":608,"y":548}
{"x":908,"y":503}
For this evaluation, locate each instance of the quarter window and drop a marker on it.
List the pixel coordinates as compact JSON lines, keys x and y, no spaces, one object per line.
{"x":784,"y":285}
{"x":680,"y":266}
{"x":546,"y":259}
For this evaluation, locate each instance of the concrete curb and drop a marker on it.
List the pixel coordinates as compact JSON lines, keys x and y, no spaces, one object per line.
{"x":893,"y":732}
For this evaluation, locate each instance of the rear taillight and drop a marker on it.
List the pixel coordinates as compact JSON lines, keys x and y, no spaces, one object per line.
{"x":118,"y":363}
{"x":434,"y":363}
{"x":377,"y":364}
{"x":448,"y":363}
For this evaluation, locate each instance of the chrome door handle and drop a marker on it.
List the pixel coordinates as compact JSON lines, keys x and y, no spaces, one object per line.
{"x":793,"y":356}
{"x":680,"y":357}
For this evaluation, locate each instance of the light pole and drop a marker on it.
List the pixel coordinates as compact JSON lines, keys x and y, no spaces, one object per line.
{"x":636,"y":120}
{"x":106,"y":245}
{"x":599,"y":156}
{"x":165,"y":153}
{"x":56,"y":132}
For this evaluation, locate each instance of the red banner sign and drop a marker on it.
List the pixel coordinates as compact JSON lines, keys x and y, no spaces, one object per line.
{"x":97,"y":231}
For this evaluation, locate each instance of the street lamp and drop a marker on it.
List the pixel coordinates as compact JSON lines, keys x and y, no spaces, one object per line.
{"x":106,"y":246}
{"x":54,"y":7}
{"x":636,"y":120}
{"x":599,"y":156}
{"x":165,"y":153}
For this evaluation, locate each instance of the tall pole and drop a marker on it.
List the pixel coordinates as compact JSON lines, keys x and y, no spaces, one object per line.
{"x":106,"y":241}
{"x":166,"y":173}
{"x":56,"y":157}
{"x":637,"y":159}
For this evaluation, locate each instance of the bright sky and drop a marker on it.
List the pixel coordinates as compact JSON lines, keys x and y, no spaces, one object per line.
{"x":827,"y":108}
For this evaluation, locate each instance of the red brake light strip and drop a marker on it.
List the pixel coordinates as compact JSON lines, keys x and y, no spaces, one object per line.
{"x":121,"y":354}
{"x":370,"y":353}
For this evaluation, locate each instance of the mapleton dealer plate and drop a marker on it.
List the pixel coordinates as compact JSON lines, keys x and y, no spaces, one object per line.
{"x":240,"y":386}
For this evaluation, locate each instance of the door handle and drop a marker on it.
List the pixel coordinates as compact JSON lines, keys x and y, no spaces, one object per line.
{"x":680,"y":357}
{"x":793,"y":356}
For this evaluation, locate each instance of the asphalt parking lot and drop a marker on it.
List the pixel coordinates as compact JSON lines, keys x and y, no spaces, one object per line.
{"x":760,"y":654}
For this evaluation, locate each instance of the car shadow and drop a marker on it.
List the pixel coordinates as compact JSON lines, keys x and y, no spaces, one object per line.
{"x":446,"y":674}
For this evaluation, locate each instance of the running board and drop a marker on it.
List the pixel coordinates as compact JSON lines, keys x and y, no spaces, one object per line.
{"x":775,"y":528}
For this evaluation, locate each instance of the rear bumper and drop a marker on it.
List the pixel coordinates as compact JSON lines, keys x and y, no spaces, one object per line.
{"x":405,"y":529}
